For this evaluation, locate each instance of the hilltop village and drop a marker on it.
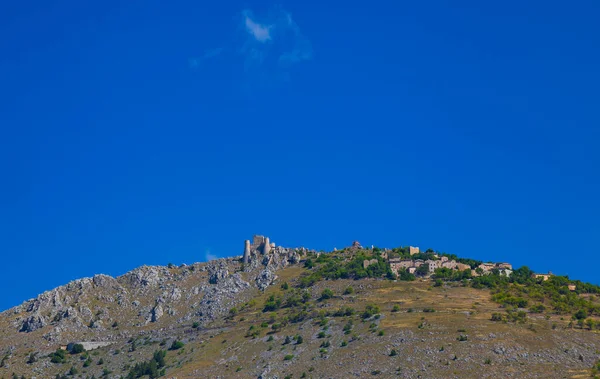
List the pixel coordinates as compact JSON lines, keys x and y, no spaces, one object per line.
{"x":410,"y":259}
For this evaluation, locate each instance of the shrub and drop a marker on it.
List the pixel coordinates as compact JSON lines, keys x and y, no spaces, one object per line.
{"x":344,"y":311}
{"x":393,"y":353}
{"x":176,"y":345}
{"x":580,"y":314}
{"x":299,"y":340}
{"x":285,"y":286}
{"x":349,"y":290}
{"x":152,"y":368}
{"x":77,"y":349}
{"x":195,"y":325}
{"x":462,"y":338}
{"x":497,"y":317}
{"x":321,"y":335}
{"x":370,"y":310}
{"x":428,"y":310}
{"x":288,"y":357}
{"x":381,"y":333}
{"x":272,"y":304}
{"x":396,"y":308}
{"x":537,"y":308}
{"x":59,"y":356}
{"x":326,"y":294}
{"x":32,"y":358}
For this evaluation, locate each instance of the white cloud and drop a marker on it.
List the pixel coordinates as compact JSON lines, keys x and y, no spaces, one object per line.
{"x":287,"y":45}
{"x":262,"y":33}
{"x":267,"y":46}
{"x":208,"y":256}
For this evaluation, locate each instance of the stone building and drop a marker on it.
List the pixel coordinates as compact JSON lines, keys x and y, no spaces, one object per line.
{"x":413,"y":250}
{"x":543,"y":276}
{"x":367,"y":262}
{"x":260,"y":245}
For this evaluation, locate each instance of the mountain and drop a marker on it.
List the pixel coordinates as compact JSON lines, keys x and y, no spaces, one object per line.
{"x":278,"y":312}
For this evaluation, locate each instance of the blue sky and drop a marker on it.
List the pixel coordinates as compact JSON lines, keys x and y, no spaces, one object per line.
{"x":149,"y":132}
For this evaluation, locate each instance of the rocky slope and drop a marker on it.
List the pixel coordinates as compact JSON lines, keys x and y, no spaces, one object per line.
{"x":220,"y":313}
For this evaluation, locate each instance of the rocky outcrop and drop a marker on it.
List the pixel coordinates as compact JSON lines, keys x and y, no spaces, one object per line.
{"x":265,"y":279}
{"x":156,"y":313}
{"x":33,"y":323}
{"x":217,"y":272}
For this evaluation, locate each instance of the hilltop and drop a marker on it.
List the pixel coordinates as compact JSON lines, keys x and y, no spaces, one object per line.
{"x":276,"y":312}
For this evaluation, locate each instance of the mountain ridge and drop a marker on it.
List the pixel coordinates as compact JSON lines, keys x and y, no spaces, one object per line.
{"x":162,"y":305}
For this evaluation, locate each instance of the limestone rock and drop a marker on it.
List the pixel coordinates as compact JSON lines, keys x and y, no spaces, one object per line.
{"x":265,"y":279}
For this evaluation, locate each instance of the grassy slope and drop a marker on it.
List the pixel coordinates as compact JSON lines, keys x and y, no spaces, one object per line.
{"x":419,"y":349}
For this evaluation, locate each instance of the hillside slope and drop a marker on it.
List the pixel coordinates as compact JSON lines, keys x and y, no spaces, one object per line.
{"x":279,"y":316}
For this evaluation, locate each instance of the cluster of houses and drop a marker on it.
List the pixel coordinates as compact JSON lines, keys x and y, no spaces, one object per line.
{"x":411,"y":265}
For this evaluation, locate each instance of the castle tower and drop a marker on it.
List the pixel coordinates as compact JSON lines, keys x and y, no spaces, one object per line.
{"x":246,"y":251}
{"x":267,"y":246}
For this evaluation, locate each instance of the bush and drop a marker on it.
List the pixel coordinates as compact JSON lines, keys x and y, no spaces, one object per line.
{"x":462,"y":338}
{"x":428,"y":310}
{"x":288,"y":357}
{"x":285,"y":286}
{"x":59,"y":356}
{"x":537,"y":308}
{"x":176,"y":345}
{"x":152,"y":368}
{"x":370,"y":310}
{"x":349,"y":290}
{"x":497,"y":317}
{"x":77,"y":349}
{"x":396,"y":308}
{"x":195,"y":325}
{"x":393,"y":353}
{"x":581,"y":314}
{"x":326,"y":294}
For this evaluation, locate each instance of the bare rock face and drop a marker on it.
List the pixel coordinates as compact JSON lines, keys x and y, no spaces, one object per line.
{"x":33,"y":323}
{"x":218,"y":273}
{"x":156,"y":313}
{"x":265,"y":279}
{"x":146,"y":276}
{"x":219,"y":298}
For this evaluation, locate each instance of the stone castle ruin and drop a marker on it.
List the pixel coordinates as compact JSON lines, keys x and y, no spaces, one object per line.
{"x":260,"y":245}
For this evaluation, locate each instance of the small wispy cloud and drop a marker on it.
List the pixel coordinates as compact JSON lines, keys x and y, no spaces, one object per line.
{"x":208,"y":256}
{"x":260,"y":32}
{"x":267,"y":45}
{"x":208,"y":54}
{"x":287,"y":45}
